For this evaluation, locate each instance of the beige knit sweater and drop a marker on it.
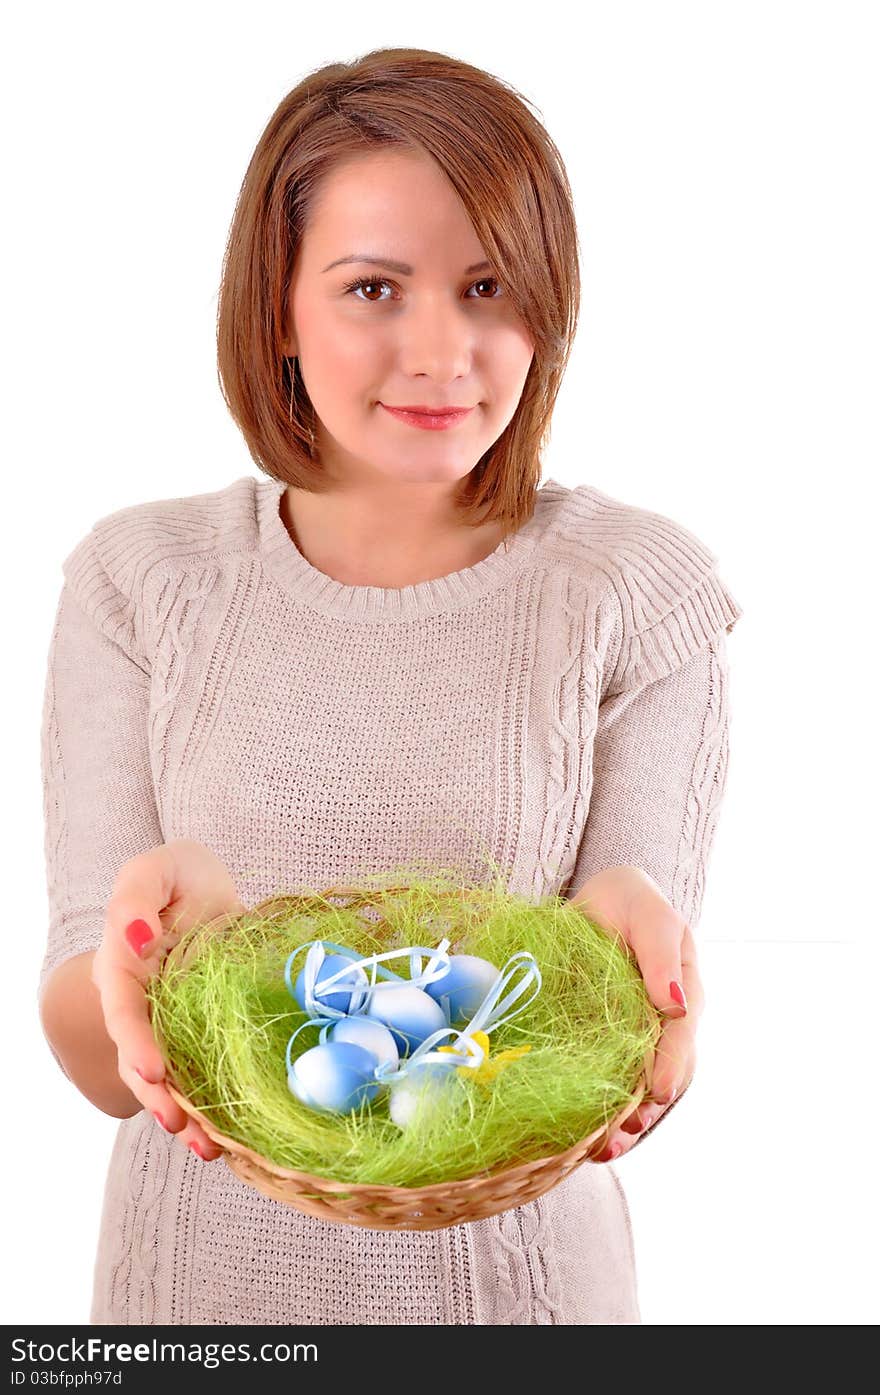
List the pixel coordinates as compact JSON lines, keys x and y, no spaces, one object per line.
{"x":561,"y":705}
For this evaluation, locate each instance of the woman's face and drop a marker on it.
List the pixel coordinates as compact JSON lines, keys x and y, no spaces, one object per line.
{"x":442,"y":333}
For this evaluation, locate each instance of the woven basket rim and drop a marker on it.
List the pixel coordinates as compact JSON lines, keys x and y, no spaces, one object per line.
{"x":455,"y":1186}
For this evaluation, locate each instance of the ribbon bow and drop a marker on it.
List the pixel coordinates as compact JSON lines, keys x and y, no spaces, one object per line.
{"x":489,"y":1014}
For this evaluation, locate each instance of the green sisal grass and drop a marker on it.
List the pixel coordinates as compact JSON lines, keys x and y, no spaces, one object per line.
{"x":223,"y":1022}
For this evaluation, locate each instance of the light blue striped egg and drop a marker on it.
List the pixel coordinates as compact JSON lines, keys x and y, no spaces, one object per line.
{"x":408,"y":1011}
{"x":371,"y":1035}
{"x":334,"y":1077}
{"x":345,"y":996}
{"x":465,"y":985}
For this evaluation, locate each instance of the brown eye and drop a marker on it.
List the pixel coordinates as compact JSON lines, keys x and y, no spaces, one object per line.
{"x":365,"y":282}
{"x":487,"y":281}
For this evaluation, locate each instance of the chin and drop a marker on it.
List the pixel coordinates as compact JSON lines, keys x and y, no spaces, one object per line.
{"x":414,"y":473}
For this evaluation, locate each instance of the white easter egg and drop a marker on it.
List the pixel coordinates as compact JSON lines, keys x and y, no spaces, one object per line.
{"x":372,"y":1035}
{"x":409,"y":1012}
{"x":423,"y":1084}
{"x":334,"y":1077}
{"x":345,"y":996}
{"x":465,"y":985}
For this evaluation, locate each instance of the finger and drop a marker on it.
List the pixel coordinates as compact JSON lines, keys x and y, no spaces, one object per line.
{"x":632,"y":1141}
{"x":671,"y":1069}
{"x":622,"y":1141}
{"x":671,"y":1057}
{"x":207,"y":1149}
{"x":135,"y":939}
{"x":142,"y":896}
{"x":696,"y":998}
{"x":635,"y":1122}
{"x":657,"y":933}
{"x":159,"y":895}
{"x":168,"y":1114}
{"x":200,"y":886}
{"x":156,"y":1099}
{"x":127,"y":1019}
{"x":139,"y":1061}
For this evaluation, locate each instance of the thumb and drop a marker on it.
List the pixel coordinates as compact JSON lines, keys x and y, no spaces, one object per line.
{"x":664,"y":980}
{"x":183,"y":883}
{"x":656,"y":939}
{"x":656,"y":933}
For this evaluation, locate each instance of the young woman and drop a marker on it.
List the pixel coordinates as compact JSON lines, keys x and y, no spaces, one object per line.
{"x":395,"y":644}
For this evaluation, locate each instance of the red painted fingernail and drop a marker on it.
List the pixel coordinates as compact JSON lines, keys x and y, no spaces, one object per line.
{"x":160,"y":1120}
{"x":138,"y":934}
{"x":677,"y":993}
{"x":196,"y":1149}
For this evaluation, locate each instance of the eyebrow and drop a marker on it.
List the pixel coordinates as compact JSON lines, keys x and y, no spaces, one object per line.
{"x":401,"y":267}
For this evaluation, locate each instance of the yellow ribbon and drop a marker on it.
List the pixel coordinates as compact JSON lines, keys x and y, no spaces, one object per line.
{"x":487,"y":1070}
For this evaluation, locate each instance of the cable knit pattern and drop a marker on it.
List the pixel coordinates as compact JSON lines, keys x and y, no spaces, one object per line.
{"x":708,"y":779}
{"x":180,"y":605}
{"x":133,"y":1278}
{"x":559,"y":707}
{"x":526,"y":1266}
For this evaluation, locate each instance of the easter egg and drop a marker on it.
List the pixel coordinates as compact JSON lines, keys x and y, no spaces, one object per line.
{"x":465,"y":985}
{"x":409,"y":1013}
{"x":334,"y":1077}
{"x":346,"y":996}
{"x":424,"y":1085}
{"x":371,"y":1035}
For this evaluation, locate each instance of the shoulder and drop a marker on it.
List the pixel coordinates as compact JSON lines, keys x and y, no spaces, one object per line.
{"x":134,"y":539}
{"x":660,"y":590}
{"x":109,"y":567}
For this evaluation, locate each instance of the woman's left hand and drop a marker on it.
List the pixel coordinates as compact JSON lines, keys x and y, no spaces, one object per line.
{"x":628,"y":901}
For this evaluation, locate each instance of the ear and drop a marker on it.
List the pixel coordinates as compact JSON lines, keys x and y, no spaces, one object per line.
{"x":288,"y":338}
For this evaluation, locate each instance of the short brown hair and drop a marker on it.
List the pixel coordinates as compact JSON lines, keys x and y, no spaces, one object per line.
{"x":513,"y":184}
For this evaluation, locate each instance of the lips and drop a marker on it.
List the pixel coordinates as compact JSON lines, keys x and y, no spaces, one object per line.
{"x":429,"y":418}
{"x":428,"y":411}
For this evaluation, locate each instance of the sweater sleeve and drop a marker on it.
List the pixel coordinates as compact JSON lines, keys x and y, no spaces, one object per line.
{"x":660,"y":751}
{"x":660,"y":759}
{"x":98,"y":795}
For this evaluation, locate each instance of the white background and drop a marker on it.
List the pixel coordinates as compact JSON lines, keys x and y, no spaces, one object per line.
{"x":724,"y":162}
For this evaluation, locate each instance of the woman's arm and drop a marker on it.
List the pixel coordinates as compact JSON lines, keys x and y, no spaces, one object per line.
{"x":660,"y":759}
{"x":99,"y":809}
{"x":73,"y":1024}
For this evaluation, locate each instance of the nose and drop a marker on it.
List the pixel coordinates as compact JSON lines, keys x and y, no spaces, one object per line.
{"x":437,"y":339}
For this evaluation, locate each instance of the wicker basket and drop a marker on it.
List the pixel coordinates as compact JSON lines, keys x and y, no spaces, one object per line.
{"x":381,"y":1207}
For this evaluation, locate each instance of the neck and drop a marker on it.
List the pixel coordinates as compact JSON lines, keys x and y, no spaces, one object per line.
{"x":391,"y":537}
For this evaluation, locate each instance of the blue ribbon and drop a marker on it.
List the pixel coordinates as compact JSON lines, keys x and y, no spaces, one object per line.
{"x":437,"y":967}
{"x":489,"y":1014}
{"x":321,"y":1013}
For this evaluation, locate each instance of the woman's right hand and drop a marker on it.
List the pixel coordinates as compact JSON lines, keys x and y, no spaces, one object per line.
{"x":157,"y":896}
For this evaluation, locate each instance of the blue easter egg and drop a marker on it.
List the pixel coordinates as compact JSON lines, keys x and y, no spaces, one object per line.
{"x":334,"y":1077}
{"x":408,"y":1012}
{"x":465,"y":985}
{"x":346,"y":996}
{"x":373,"y":1036}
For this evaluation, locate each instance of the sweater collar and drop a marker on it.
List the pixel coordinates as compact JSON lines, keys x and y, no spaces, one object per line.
{"x":315,"y":589}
